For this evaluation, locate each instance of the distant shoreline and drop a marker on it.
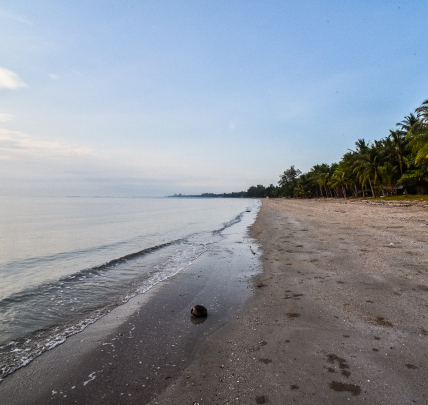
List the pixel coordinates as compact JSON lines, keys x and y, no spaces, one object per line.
{"x":240,"y":194}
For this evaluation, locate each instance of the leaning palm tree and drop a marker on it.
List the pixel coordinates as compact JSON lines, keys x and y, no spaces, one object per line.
{"x":358,"y":172}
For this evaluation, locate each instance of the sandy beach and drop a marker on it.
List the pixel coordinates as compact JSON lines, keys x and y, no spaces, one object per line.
{"x":136,"y":351}
{"x":337,"y":314}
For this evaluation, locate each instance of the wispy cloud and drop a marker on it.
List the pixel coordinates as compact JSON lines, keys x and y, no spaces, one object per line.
{"x":16,"y":145}
{"x":15,"y":17}
{"x":10,"y":80}
{"x":53,"y":77}
{"x":6,"y":117}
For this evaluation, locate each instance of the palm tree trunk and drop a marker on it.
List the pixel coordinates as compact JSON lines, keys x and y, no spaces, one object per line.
{"x":401,"y":171}
{"x":373,"y":194}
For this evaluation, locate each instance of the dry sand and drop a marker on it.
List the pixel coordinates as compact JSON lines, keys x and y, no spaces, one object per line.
{"x":339,"y":314}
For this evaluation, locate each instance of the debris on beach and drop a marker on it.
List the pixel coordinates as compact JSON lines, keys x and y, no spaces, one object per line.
{"x":199,"y":311}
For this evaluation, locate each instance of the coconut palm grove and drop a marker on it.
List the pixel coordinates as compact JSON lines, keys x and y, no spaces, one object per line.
{"x":394,"y":165}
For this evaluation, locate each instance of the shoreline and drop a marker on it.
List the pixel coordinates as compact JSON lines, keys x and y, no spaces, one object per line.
{"x":134,"y":352}
{"x":337,"y":315}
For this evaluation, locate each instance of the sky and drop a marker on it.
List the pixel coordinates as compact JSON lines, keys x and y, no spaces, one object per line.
{"x":152,"y":98}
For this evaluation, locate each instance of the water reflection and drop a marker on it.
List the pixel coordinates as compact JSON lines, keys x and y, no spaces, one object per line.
{"x":197,"y":321}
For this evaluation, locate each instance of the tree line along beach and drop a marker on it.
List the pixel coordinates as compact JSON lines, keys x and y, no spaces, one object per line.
{"x":394,"y":165}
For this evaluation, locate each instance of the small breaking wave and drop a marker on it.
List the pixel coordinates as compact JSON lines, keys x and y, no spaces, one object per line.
{"x":61,"y":308}
{"x":76,"y":277}
{"x":20,"y":351}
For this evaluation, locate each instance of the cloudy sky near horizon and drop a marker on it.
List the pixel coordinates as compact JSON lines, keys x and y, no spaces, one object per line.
{"x":159,"y":97}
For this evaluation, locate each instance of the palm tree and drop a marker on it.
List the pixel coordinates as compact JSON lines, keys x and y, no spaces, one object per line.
{"x":398,"y":148}
{"x":418,"y":135}
{"x":403,"y":153}
{"x":368,"y":164}
{"x":418,"y":176}
{"x":322,"y":180}
{"x":388,"y":174}
{"x":422,"y":109}
{"x":340,"y":179}
{"x":361,"y":146}
{"x":318,"y":177}
{"x":355,"y":160}
{"x":408,"y":122}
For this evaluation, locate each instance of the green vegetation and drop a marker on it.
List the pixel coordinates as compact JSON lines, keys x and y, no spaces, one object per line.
{"x":396,"y":164}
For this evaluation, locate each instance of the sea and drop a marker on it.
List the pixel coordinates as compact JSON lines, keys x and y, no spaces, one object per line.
{"x":65,"y":262}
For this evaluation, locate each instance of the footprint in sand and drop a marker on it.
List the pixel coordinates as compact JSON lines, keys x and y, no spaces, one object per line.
{"x":337,"y":386}
{"x":343,"y":365}
{"x":293,"y":314}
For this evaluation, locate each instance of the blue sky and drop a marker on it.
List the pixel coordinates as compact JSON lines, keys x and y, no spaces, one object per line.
{"x":160,"y":97}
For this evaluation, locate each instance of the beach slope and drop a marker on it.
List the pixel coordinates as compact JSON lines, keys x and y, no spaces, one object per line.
{"x":339,"y":313}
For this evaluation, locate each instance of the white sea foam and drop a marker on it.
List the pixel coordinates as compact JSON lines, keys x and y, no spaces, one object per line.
{"x":91,"y":378}
{"x":143,"y":274}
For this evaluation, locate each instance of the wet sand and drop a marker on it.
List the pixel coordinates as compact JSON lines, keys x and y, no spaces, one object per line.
{"x":340,"y":312}
{"x":338,"y":315}
{"x":140,"y":348}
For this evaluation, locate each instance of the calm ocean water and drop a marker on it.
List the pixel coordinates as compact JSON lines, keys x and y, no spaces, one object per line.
{"x":66,"y":262}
